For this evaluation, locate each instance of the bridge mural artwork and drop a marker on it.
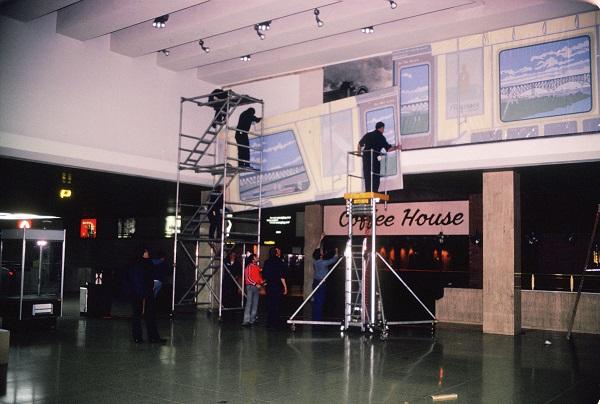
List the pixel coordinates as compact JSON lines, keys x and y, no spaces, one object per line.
{"x":516,"y":83}
{"x":548,"y":79}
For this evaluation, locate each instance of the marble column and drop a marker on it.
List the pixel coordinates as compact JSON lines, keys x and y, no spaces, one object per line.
{"x":313,"y":227}
{"x":501,"y":253}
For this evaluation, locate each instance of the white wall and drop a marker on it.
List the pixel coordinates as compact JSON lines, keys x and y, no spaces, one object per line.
{"x":76,"y":103}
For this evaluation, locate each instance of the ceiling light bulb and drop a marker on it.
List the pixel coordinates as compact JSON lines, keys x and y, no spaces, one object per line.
{"x":165,"y":52}
{"x":393,"y":4}
{"x":320,"y":22}
{"x":160,"y":22}
{"x":203,"y":47}
{"x":245,"y":58}
{"x":368,"y":30}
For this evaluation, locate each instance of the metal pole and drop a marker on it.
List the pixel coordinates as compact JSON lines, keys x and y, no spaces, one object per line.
{"x":587,"y":260}
{"x":62,"y":272}
{"x":223,"y":210}
{"x":349,"y":260}
{"x":175,"y":238}
{"x":262,"y":128}
{"x":373,"y":263}
{"x":39,"y":282}
{"x":196,"y":264}
{"x":22,"y":276}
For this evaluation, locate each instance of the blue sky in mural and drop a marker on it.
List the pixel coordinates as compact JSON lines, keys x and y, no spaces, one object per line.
{"x":414,"y":84}
{"x":545,"y":61}
{"x":282,"y":167}
{"x":279,"y":150}
{"x":547,"y":79}
{"x":385,"y":115}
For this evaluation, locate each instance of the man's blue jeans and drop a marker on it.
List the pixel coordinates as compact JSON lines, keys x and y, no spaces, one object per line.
{"x":251,"y":304}
{"x":318,"y":300}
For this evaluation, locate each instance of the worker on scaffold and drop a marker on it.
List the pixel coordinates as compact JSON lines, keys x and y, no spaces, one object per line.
{"x":370,"y":146}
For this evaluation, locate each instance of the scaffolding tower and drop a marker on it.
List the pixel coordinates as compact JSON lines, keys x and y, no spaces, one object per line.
{"x":198,"y":256}
{"x":363,"y":300}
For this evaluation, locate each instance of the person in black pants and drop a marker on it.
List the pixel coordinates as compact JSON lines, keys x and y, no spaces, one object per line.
{"x":215,"y":212}
{"x":274,"y":274}
{"x":371,"y":145}
{"x":140,"y":280}
{"x":218,"y":97}
{"x":241,"y":136}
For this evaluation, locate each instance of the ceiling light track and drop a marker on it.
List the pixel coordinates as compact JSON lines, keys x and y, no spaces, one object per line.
{"x":160,"y":22}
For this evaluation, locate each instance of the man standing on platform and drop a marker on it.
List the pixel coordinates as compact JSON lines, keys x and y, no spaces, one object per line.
{"x":241,"y":136}
{"x":370,"y":145}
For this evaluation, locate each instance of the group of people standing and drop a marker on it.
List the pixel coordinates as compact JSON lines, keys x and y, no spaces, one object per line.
{"x":271,"y":279}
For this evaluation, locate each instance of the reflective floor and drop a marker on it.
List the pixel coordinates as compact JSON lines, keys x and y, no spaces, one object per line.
{"x":94,"y":361}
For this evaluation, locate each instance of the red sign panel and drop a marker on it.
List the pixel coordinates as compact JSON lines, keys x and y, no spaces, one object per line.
{"x":414,"y":218}
{"x":87,"y":228}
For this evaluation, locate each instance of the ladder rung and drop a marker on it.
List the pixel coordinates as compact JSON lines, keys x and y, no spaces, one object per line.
{"x":243,"y":234}
{"x":243,"y":219}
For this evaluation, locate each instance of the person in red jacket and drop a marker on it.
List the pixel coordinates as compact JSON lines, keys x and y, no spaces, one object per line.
{"x":254,"y":281}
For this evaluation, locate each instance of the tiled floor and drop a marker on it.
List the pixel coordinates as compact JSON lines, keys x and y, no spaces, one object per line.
{"x":94,"y":361}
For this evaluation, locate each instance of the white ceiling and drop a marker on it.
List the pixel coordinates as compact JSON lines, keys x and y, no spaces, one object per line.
{"x":293,"y":43}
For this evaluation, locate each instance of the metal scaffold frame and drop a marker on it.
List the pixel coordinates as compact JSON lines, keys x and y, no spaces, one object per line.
{"x":363,"y":300}
{"x":210,"y":153}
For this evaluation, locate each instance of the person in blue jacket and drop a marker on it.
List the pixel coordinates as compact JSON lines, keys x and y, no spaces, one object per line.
{"x":321,"y":267}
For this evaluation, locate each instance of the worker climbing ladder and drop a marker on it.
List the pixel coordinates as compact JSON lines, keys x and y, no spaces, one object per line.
{"x":363,"y":298}
{"x":211,"y":229}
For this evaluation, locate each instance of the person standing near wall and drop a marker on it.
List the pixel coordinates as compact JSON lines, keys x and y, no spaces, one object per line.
{"x":370,"y":146}
{"x":241,"y":136}
{"x":274,"y":274}
{"x":140,"y":282}
{"x":253,"y":281}
{"x":321,"y":267}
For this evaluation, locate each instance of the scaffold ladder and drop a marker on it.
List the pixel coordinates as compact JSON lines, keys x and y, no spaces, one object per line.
{"x":363,"y":299}
{"x":239,"y":228}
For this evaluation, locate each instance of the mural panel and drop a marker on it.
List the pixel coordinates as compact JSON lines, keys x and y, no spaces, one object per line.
{"x":548,"y":79}
{"x":283,"y":170}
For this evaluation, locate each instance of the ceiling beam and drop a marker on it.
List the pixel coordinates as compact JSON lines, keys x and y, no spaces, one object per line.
{"x":89,"y":19}
{"x":204,"y":21}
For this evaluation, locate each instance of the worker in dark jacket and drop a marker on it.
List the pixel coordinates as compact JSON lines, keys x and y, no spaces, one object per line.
{"x":140,"y":282}
{"x":217,"y":98}
{"x":274,"y":275}
{"x":215,"y":212}
{"x":241,"y":136}
{"x":370,"y":145}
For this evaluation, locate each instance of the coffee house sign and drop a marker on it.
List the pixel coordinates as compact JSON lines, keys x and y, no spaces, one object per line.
{"x":414,"y":218}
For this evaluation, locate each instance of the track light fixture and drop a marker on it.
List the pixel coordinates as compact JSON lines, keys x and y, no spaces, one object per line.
{"x":263,"y":26}
{"x":259,"y":32}
{"x":320,"y":22}
{"x":368,"y":30}
{"x":165,"y":52}
{"x":203,"y":47}
{"x":161,"y":22}
{"x":245,"y":58}
{"x":393,"y":4}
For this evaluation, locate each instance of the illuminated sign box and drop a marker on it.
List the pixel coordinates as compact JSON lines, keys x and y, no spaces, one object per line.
{"x":88,"y":228}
